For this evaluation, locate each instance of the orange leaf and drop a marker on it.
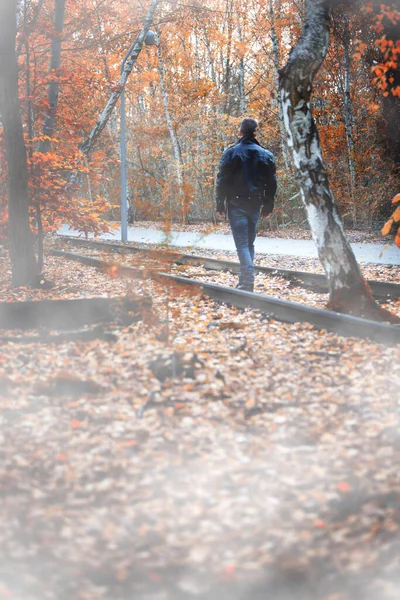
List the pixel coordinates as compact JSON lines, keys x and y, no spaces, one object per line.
{"x":319,"y":523}
{"x":343,"y":486}
{"x":397,"y":238}
{"x":112,"y":271}
{"x":387,"y":227}
{"x":396,"y":199}
{"x":75,"y":424}
{"x":396,"y":215}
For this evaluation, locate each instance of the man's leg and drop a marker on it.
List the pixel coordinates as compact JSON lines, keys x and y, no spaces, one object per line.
{"x":253,"y":220}
{"x":239,"y":222}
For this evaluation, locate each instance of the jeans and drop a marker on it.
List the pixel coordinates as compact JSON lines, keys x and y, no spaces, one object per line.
{"x":243,"y":222}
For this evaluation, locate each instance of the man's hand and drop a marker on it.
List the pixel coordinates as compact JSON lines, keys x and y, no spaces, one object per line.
{"x":221,"y":215}
{"x":265,"y":214}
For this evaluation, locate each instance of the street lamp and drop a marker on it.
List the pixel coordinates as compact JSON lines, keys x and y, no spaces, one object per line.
{"x":149,"y":41}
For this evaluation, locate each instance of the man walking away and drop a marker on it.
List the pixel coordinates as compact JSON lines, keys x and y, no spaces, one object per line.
{"x":246,"y":183}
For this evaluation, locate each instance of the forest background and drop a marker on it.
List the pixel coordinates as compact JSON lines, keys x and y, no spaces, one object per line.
{"x":214,"y":62}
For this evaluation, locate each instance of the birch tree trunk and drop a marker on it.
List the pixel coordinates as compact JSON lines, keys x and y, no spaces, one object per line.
{"x":22,"y":257}
{"x":349,"y":292}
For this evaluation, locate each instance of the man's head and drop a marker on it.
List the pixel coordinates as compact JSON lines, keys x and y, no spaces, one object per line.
{"x":248,"y":127}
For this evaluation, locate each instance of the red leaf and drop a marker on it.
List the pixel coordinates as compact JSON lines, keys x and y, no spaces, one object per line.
{"x":343,"y":486}
{"x":319,"y":523}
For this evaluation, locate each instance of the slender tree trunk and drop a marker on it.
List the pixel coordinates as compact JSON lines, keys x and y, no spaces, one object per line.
{"x":227,"y":77}
{"x":54,"y":86}
{"x":89,"y":185}
{"x":242,"y":90}
{"x":32,"y":23}
{"x":112,"y":125}
{"x":174,"y":139}
{"x":348,"y":112}
{"x":52,"y":105}
{"x":210,"y":59}
{"x":349,"y":292}
{"x":23,"y":264}
{"x":40,"y":252}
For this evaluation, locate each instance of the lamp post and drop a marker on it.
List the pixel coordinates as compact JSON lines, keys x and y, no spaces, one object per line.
{"x":149,"y":41}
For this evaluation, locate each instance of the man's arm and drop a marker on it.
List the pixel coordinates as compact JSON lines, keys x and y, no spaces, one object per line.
{"x":270,"y":185}
{"x":223,"y":181}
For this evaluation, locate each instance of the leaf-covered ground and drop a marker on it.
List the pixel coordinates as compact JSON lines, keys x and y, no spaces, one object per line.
{"x":264,"y":284}
{"x":209,"y":453}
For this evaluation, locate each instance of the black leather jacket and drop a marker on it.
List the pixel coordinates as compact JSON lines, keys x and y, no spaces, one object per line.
{"x":247,"y":176}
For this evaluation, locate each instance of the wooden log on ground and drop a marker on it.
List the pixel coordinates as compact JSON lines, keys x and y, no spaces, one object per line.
{"x":72,"y":314}
{"x":80,"y":335}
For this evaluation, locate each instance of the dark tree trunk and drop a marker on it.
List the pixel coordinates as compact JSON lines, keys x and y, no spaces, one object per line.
{"x":54,"y":86}
{"x":23,"y":264}
{"x":49,"y":122}
{"x":348,"y":107}
{"x":349,"y":292}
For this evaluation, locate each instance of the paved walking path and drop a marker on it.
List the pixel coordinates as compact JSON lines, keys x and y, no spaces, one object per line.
{"x":371,"y":253}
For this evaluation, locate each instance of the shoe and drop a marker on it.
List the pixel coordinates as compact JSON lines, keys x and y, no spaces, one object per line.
{"x":245,"y":288}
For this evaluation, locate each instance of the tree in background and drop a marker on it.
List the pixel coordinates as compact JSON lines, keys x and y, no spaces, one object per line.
{"x":219,"y":60}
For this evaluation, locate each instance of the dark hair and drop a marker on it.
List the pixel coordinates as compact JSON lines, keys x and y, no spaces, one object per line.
{"x":248,"y":127}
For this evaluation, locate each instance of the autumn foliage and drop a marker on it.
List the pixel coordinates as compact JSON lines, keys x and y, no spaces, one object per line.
{"x":389,"y":47}
{"x":394,"y":222}
{"x":219,"y":61}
